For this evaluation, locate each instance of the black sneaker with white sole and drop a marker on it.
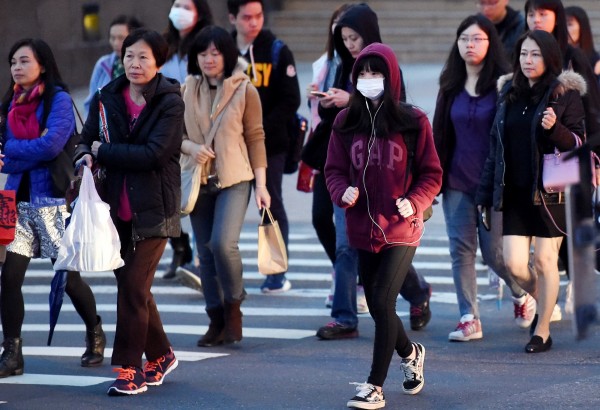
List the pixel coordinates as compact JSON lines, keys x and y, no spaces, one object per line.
{"x":367,"y":397}
{"x":414,"y":379}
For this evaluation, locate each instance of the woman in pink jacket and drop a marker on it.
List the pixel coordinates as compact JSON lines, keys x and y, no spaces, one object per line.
{"x":382,"y":167}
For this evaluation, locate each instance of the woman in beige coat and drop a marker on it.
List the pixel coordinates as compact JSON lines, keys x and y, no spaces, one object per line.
{"x":224,"y":134}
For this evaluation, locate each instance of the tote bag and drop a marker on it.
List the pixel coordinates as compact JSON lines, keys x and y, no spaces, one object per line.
{"x":191,"y":173}
{"x":272,"y":256}
{"x":90,"y":242}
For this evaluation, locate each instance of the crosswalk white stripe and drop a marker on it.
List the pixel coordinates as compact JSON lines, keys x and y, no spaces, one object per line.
{"x":59,"y":351}
{"x":55,"y":380}
{"x":293,"y":264}
{"x":249,"y":332}
{"x":198,"y":309}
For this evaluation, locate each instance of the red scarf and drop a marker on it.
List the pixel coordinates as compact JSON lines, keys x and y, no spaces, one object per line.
{"x":22,"y":119}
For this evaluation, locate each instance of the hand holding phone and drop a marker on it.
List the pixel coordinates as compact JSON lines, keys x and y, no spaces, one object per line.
{"x":319,"y":94}
{"x":485,"y":220}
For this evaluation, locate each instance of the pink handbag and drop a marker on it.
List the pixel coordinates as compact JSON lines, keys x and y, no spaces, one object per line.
{"x":557,"y":172}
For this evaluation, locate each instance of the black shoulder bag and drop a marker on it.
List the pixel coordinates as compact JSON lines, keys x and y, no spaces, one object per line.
{"x":61,"y":168}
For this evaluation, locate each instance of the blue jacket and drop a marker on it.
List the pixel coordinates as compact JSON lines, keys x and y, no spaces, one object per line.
{"x":101,"y":76}
{"x":33,"y":155}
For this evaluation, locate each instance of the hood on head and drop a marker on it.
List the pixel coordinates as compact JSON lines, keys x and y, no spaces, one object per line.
{"x":386,"y":53}
{"x":362,"y":19}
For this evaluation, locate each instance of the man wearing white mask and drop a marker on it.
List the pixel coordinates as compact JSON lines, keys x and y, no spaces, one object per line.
{"x":186,"y":18}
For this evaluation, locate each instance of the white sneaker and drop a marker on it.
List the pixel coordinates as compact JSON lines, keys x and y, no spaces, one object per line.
{"x":367,"y":397}
{"x":361,"y":300}
{"x":467,"y":329}
{"x":189,"y":279}
{"x":556,"y":314}
{"x":525,"y":308}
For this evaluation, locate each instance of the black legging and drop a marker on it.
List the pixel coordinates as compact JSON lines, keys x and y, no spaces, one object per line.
{"x":12,"y":305}
{"x":322,"y":216}
{"x":382,"y":276}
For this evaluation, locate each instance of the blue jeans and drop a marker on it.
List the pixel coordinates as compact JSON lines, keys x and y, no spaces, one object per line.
{"x":275,"y":164}
{"x":217,"y":221}
{"x":464,"y":230}
{"x":343,"y":309}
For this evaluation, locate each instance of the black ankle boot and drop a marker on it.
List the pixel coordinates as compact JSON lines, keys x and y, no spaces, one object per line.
{"x":182,"y":254}
{"x":216,"y":329}
{"x":11,"y":361}
{"x":95,"y":341}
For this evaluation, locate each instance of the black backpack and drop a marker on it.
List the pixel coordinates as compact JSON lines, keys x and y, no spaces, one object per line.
{"x":296,"y":126}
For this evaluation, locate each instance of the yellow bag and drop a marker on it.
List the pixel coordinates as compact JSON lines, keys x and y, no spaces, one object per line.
{"x":272,"y":255}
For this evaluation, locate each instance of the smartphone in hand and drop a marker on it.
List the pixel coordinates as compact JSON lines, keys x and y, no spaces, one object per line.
{"x":319,"y":94}
{"x":485,"y":218}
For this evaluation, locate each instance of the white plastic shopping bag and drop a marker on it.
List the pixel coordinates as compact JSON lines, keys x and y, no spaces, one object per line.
{"x":91,"y":242}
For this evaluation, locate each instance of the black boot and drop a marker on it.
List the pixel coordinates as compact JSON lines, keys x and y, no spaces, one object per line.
{"x":11,"y":361}
{"x":95,"y":341}
{"x":216,"y":329}
{"x":233,"y":322}
{"x":182,"y":254}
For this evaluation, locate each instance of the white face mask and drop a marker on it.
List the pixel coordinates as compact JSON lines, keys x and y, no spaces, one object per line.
{"x":181,"y":18}
{"x":372,"y":88}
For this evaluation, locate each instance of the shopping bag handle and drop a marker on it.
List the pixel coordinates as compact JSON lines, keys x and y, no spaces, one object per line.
{"x":268,"y":212}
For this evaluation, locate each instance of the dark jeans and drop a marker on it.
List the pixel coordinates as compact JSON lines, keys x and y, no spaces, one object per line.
{"x":322,"y":216}
{"x":275,"y":165}
{"x":382,"y":276}
{"x":139,"y":328}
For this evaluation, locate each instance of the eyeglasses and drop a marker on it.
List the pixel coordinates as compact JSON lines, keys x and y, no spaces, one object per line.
{"x":467,"y":39}
{"x":488,"y":3}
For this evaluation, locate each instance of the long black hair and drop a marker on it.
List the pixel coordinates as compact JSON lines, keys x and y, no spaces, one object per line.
{"x":223,"y":42}
{"x":560,"y":32}
{"x":393,"y":116}
{"x":337,"y":14}
{"x":454,"y":73}
{"x":552,"y":60}
{"x":586,"y":40}
{"x":50,"y":75}
{"x":182,"y":46}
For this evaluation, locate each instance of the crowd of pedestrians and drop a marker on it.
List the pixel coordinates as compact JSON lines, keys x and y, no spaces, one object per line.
{"x":515,"y":86}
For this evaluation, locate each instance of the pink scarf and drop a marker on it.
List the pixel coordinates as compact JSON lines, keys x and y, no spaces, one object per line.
{"x":22,"y":119}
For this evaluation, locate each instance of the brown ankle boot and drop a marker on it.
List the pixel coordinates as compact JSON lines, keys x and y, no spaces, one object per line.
{"x":216,"y":329}
{"x":233,"y":322}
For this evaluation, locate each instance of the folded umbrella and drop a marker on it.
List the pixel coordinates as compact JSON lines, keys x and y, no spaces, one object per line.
{"x":55,"y":299}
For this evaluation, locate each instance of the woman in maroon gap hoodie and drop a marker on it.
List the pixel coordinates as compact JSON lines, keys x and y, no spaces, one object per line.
{"x":368,"y":172}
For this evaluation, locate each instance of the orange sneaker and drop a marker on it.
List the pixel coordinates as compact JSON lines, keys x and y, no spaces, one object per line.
{"x":156,"y":370}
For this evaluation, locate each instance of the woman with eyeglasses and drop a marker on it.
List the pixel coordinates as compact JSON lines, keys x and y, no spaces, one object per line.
{"x":465,"y":110}
{"x":540,"y":109}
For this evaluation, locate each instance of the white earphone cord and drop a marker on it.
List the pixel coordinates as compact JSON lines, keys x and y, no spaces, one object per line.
{"x":370,"y":144}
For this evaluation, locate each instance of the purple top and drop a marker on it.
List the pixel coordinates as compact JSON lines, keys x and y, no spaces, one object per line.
{"x":472,"y":118}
